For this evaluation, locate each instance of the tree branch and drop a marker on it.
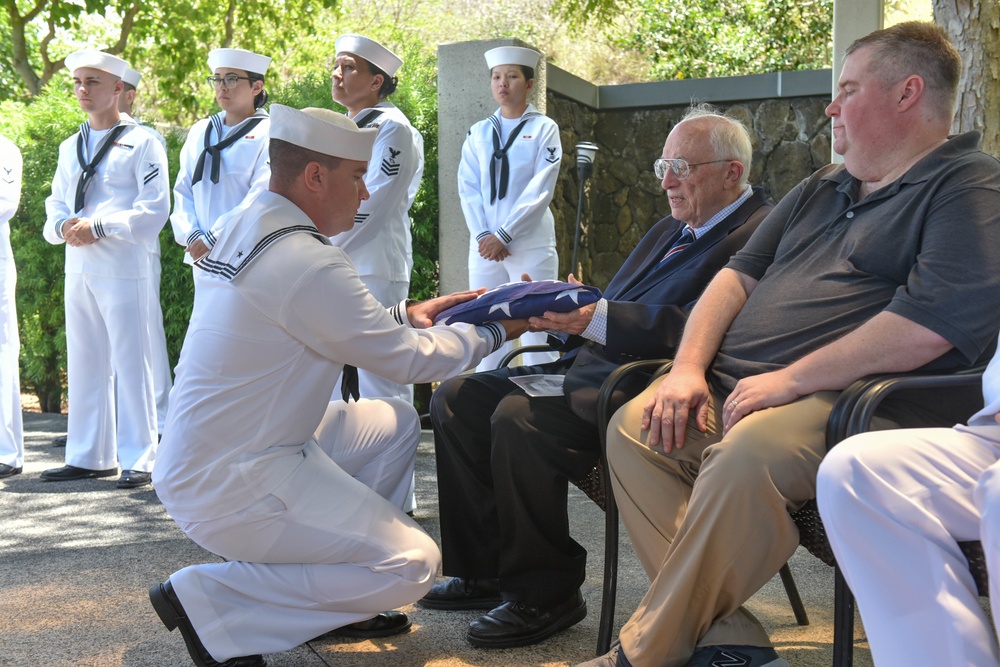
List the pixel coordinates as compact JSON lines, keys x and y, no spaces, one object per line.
{"x":128,"y":22}
{"x":35,"y":11}
{"x":227,"y":40}
{"x":20,"y":48}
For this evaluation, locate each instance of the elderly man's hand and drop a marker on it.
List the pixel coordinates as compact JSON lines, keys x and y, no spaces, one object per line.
{"x":574,"y":322}
{"x":757,"y":392}
{"x":422,"y":314}
{"x":683,"y":393}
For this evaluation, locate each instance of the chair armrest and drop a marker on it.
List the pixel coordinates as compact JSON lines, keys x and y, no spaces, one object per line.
{"x":613,"y":381}
{"x":856,"y":405}
{"x":524,"y":349}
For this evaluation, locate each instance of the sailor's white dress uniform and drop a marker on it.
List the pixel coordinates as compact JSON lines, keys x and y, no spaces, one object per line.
{"x":380,"y":244}
{"x":11,"y":428}
{"x":509,"y":197}
{"x":301,"y":495}
{"x":158,"y":338}
{"x":112,"y":410}
{"x":211,"y":182}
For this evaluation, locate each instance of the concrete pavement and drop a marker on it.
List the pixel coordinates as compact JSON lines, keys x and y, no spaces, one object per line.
{"x":76,"y":559}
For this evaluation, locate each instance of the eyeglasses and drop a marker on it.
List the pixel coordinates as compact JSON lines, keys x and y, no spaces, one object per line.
{"x":679,"y":166}
{"x":228,"y":82}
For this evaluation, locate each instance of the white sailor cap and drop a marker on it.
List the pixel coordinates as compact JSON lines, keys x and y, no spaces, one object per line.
{"x":97,"y":60}
{"x":370,"y":50}
{"x":131,"y":77}
{"x":323,"y":131}
{"x":512,"y":55}
{"x":248,"y":61}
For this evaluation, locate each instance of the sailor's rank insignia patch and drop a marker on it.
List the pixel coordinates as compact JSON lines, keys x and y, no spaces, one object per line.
{"x":389,"y":165}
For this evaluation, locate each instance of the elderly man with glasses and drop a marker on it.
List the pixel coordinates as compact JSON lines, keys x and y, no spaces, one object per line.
{"x":504,"y":457}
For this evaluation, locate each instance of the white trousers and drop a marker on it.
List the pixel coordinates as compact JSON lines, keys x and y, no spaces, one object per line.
{"x":107,"y":342}
{"x":158,"y":346}
{"x":329,"y":547}
{"x":388,"y":293}
{"x":895,"y":504}
{"x":540,"y":264}
{"x":11,"y":428}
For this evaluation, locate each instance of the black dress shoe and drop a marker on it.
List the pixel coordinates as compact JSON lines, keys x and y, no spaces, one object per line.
{"x":517,"y":624}
{"x":386,"y":624}
{"x":68,"y":473}
{"x":170,"y":611}
{"x":59,"y":441}
{"x":130,"y":479}
{"x":458,"y":593}
{"x":8,"y":471}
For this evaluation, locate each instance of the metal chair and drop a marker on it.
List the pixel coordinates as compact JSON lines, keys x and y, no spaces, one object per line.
{"x":852,"y":414}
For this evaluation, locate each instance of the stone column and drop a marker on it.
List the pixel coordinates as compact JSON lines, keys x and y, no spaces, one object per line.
{"x":852,"y":19}
{"x":463,"y":99}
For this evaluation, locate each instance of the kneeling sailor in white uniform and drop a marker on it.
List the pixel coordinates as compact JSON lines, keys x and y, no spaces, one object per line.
{"x":302,"y":496}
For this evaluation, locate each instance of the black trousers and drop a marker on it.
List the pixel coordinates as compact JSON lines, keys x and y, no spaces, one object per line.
{"x":504,"y":461}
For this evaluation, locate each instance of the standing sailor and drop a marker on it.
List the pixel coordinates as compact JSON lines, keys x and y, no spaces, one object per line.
{"x":109,"y":201}
{"x":364,"y":75}
{"x":225,"y":155}
{"x":126,"y":102}
{"x":510,"y":162}
{"x":11,"y":428}
{"x":158,"y":339}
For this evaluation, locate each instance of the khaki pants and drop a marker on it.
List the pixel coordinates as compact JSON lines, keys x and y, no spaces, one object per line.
{"x":710,"y":522}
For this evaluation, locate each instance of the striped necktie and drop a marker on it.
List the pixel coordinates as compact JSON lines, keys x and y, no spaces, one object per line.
{"x":686,"y":239}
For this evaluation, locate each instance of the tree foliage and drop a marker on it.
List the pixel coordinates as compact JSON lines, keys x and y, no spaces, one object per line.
{"x":706,"y":38}
{"x":169,"y":37}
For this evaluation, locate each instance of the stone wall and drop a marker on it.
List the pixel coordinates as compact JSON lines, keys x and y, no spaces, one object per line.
{"x":624,"y":199}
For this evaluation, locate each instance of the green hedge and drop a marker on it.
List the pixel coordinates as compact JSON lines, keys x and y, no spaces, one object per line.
{"x":38,"y":130}
{"x":38,"y":127}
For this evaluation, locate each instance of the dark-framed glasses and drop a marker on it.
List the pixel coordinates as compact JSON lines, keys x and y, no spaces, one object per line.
{"x":679,"y":166}
{"x":228,"y":82}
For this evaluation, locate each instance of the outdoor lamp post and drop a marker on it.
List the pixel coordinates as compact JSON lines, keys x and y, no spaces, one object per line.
{"x":585,"y":152}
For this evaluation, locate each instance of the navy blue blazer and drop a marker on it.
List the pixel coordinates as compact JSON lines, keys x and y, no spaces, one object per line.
{"x":648,"y":302}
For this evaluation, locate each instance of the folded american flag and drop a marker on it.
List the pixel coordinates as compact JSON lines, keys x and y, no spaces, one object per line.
{"x":520,"y":300}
